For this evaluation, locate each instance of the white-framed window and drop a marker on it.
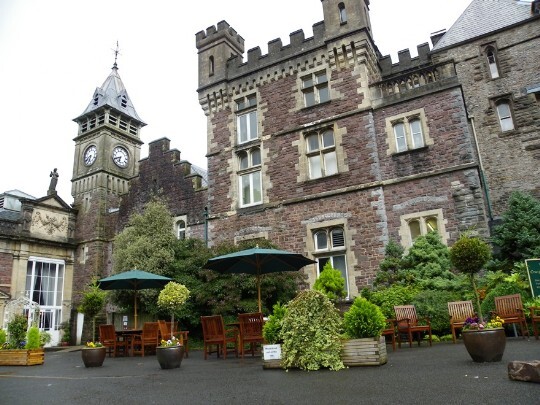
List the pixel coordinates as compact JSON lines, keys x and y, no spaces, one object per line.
{"x":421,"y":223}
{"x":246,"y":119}
{"x":45,"y":285}
{"x":315,"y":88}
{"x":321,"y":153}
{"x":342,"y":13}
{"x":181,"y":229}
{"x":249,"y":177}
{"x":504,"y":112}
{"x":407,"y":131}
{"x":330,"y":247}
{"x":492,"y":62}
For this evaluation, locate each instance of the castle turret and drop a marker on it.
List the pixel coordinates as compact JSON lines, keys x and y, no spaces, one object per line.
{"x":215,"y":47}
{"x":343,"y":16}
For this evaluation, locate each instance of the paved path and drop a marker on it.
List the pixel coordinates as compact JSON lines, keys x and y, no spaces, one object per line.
{"x":442,"y":374}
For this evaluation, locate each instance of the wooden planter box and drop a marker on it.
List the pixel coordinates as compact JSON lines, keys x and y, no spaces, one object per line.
{"x":364,"y":352}
{"x":22,"y":357}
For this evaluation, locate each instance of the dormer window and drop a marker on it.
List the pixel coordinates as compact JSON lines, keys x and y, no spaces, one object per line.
{"x":342,"y":13}
{"x":124,"y":102}
{"x":96,"y":99}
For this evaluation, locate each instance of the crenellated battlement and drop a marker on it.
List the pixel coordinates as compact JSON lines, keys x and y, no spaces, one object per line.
{"x":405,"y":61}
{"x":223,"y":30}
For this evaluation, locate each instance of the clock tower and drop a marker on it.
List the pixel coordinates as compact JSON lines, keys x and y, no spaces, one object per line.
{"x":107,"y":153}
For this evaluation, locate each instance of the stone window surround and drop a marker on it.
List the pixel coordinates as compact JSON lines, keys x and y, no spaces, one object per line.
{"x":303,"y":166}
{"x":311,"y":229}
{"x":484,"y":50}
{"x":176,"y":221}
{"x":404,"y":231}
{"x":247,"y":171}
{"x":495,"y":102}
{"x":405,"y":118}
{"x":241,"y":111}
{"x":300,"y":101}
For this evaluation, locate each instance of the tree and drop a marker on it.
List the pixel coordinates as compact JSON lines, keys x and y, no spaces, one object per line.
{"x":518,"y":237}
{"x":147,"y":243}
{"x":391,"y":267}
{"x":92,"y":303}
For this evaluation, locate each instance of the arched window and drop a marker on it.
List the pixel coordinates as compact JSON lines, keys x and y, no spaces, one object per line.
{"x":211,"y":66}
{"x":492,"y":62}
{"x":342,"y":13}
{"x":181,"y":230}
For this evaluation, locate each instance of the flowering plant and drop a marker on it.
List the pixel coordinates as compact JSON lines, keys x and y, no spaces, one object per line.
{"x":475,"y":323}
{"x":93,"y":345}
{"x":172,"y":342}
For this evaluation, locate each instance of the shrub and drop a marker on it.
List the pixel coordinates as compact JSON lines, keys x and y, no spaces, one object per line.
{"x":311,"y":333}
{"x":3,"y":337}
{"x":44,"y":338}
{"x":92,"y":303}
{"x":394,"y":295}
{"x":272,"y":327}
{"x":17,"y":331}
{"x":434,"y":304}
{"x":363,"y":320}
{"x":331,"y":283}
{"x":32,"y":341}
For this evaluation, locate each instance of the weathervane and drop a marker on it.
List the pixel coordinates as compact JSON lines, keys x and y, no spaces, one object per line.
{"x":116,"y":53}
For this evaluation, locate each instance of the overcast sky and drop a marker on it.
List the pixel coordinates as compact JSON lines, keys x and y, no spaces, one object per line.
{"x":53,"y":54}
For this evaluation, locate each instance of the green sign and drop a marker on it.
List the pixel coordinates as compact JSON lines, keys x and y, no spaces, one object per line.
{"x":533,"y":269}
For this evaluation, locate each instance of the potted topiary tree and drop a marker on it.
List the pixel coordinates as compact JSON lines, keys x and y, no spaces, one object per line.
{"x":93,"y":300}
{"x":485,"y":341}
{"x":311,"y":333}
{"x":170,"y":351}
{"x":363,"y":345}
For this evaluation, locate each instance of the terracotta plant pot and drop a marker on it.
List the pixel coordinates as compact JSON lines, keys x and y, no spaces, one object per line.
{"x":485,"y":345}
{"x":170,"y":357}
{"x":93,"y":356}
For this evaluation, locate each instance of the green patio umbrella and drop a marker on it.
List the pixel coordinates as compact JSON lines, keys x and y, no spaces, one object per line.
{"x":133,"y":280}
{"x":258,"y":261}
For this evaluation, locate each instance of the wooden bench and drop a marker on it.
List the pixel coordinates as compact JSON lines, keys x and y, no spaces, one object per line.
{"x":535,"y":318}
{"x":390,"y":331}
{"x":510,"y":309}
{"x":459,"y":311}
{"x":408,"y":323}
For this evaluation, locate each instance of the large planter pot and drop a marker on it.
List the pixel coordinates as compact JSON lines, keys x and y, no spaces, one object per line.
{"x":485,"y":345}
{"x":170,"y":357}
{"x":21,"y":357}
{"x":364,"y":352}
{"x":93,"y":356}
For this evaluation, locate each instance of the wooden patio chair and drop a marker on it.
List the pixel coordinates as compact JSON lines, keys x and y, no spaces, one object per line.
{"x":215,"y":334}
{"x":250,"y":331}
{"x":510,"y":309}
{"x":390,"y":331}
{"x":149,"y":337}
{"x":535,"y":318}
{"x":408,"y":323}
{"x":165,"y":333}
{"x":459,"y":311}
{"x":108,"y":338}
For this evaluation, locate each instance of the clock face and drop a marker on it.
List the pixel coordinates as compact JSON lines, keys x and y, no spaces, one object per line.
{"x":90,"y":155}
{"x":120,"y":156}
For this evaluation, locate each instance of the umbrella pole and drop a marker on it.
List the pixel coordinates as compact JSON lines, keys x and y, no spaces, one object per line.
{"x":135,"y":309}
{"x":259,"y":291}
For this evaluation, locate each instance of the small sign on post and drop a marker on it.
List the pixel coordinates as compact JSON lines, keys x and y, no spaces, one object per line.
{"x":272,"y":352}
{"x":533,"y":270}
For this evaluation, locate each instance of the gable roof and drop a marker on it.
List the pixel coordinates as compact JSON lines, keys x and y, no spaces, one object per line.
{"x":482,"y":17}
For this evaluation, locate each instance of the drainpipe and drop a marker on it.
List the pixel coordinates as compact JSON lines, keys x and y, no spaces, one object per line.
{"x":482,"y":177}
{"x":205,"y":213}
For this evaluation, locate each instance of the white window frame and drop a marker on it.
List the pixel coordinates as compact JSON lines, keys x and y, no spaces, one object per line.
{"x":506,"y":120}
{"x":246,"y":119}
{"x":402,"y":136}
{"x":334,"y":249}
{"x":317,"y":85}
{"x":250,"y":176}
{"x":324,"y":154}
{"x":48,"y":292}
{"x":181,"y":228}
{"x":491,"y":57}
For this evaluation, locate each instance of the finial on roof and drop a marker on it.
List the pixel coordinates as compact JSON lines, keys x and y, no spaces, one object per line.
{"x":116,"y":53}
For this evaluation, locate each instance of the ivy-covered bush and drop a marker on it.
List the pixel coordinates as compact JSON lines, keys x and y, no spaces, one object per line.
{"x":331,"y":283}
{"x":434,"y":304}
{"x":363,"y":320}
{"x":32,"y":338}
{"x":389,"y":297}
{"x":17,"y":331}
{"x":311,"y":332}
{"x":272,"y":327}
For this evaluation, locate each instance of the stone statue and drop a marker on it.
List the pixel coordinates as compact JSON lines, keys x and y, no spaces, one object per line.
{"x":54,"y":180}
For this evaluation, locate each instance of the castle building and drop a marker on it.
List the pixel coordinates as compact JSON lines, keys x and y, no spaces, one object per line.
{"x":327,"y":148}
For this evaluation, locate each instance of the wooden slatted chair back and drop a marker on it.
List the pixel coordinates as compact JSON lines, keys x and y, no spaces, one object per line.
{"x":509,"y":306}
{"x":460,"y":310}
{"x":213,"y":327}
{"x":404,"y":313}
{"x":107,"y":333}
{"x":251,"y":325}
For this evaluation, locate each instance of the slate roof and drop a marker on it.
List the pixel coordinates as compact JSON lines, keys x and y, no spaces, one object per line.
{"x":114,"y":94}
{"x":482,"y":17}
